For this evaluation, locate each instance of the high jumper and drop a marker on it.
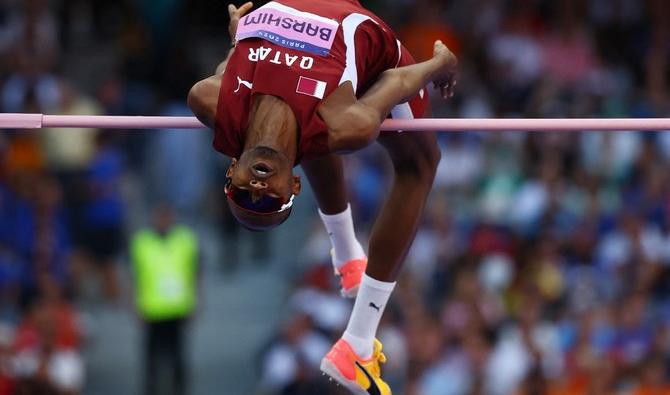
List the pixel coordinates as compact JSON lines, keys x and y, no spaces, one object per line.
{"x":304,"y":83}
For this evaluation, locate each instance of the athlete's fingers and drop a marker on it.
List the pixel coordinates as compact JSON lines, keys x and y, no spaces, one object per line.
{"x":447,"y":86}
{"x":234,"y":21}
{"x":452,"y":87}
{"x":447,"y":89}
{"x":245,"y":8}
{"x":237,"y":13}
{"x":438,"y":87}
{"x":442,"y":88}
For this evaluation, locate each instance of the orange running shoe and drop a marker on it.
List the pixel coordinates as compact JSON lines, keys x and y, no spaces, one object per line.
{"x":355,"y":374}
{"x":351,"y":274}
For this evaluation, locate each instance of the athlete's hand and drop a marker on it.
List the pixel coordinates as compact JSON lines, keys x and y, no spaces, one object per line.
{"x":235,"y":15}
{"x":446,"y":77}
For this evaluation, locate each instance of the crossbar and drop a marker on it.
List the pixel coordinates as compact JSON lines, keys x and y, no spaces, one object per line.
{"x":38,"y":121}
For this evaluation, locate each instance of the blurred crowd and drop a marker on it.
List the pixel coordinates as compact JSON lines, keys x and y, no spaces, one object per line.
{"x":543,"y":262}
{"x":65,"y":194}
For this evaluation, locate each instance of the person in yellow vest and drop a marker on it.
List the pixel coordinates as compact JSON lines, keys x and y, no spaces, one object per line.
{"x":165,"y":267}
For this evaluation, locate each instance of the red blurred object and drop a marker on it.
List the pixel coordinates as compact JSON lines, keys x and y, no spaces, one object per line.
{"x":426,"y":27}
{"x":6,"y":385}
{"x":319,"y":277}
{"x":54,"y":323}
{"x":489,"y":240}
{"x":419,"y":39}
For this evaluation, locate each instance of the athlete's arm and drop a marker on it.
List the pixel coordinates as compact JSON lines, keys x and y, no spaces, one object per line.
{"x":203,"y":98}
{"x":222,"y":66}
{"x":354,"y":123}
{"x":235,"y":15}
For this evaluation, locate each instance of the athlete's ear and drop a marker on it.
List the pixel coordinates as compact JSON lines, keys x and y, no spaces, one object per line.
{"x":297,"y":185}
{"x":229,"y":173}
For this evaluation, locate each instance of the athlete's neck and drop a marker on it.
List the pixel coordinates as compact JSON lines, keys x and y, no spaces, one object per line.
{"x":272,"y":124}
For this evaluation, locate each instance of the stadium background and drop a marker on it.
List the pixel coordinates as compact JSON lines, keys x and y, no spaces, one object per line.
{"x":542,"y":264}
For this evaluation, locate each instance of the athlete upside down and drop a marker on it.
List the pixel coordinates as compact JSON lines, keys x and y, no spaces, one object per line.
{"x":304,"y":83}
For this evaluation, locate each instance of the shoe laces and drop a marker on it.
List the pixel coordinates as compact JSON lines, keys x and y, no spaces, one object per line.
{"x":377,"y":354}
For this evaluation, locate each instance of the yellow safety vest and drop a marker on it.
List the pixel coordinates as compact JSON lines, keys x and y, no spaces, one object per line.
{"x":165,"y":273}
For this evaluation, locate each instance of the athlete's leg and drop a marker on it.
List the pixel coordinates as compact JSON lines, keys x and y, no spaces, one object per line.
{"x":415,"y":157}
{"x":400,"y":85}
{"x":326,"y":176}
{"x":354,"y":123}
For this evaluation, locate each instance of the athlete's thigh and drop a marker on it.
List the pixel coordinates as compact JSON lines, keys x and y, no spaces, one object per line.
{"x":415,"y":151}
{"x":410,"y":147}
{"x":326,"y":177}
{"x":407,"y":146}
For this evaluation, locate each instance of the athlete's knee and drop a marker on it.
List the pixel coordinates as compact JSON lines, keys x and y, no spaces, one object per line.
{"x":430,"y":156}
{"x":364,"y":128}
{"x":357,"y":128}
{"x":434,"y":155}
{"x":418,"y":161}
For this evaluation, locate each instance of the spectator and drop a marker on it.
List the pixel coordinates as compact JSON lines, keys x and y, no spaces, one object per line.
{"x":47,"y":359}
{"x":68,"y":152}
{"x":290,"y":363}
{"x":6,"y":377}
{"x":103,"y":233}
{"x":165,"y":267}
{"x":653,"y":377}
{"x":31,"y":37}
{"x":51,"y":244}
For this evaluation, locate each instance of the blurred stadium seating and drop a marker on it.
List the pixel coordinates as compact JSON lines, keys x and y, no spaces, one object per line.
{"x":543,"y":262}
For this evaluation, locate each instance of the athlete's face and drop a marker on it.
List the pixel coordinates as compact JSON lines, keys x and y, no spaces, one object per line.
{"x":266,"y":174}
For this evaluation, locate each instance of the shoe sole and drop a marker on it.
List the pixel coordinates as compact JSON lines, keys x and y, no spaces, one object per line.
{"x":331,"y":371}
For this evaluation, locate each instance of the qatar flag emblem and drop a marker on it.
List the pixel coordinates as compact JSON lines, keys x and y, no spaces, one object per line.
{"x":311,"y":87}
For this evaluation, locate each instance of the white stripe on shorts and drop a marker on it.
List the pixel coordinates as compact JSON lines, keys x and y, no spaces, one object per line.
{"x":399,"y":53}
{"x":402,"y":111}
{"x":349,"y":26}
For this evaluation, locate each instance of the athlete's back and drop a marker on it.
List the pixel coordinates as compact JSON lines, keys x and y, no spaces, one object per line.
{"x":301,"y":51}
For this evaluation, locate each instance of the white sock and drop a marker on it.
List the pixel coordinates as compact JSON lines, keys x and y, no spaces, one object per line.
{"x":340,"y":229}
{"x":373,"y":295}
